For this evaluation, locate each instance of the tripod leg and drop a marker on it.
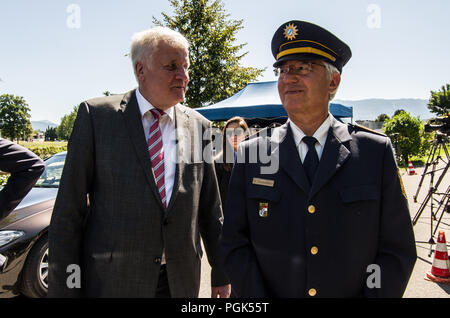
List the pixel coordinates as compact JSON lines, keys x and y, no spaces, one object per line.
{"x":430,"y":159}
{"x":444,"y":204}
{"x":422,"y":207}
{"x":436,"y":145}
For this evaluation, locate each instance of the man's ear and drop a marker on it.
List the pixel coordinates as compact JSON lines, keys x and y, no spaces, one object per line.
{"x":334,"y":82}
{"x":139,"y":70}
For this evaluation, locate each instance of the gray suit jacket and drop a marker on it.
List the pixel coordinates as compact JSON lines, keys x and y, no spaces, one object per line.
{"x":108,"y":216}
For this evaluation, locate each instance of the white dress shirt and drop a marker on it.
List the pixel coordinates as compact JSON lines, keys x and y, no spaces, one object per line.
{"x":320,"y":134}
{"x":167,"y":126}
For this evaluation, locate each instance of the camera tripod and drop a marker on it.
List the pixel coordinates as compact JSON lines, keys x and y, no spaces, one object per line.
{"x":439,"y":144}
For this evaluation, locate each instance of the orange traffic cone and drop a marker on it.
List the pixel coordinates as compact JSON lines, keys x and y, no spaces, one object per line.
{"x":440,"y":270}
{"x":411,"y":170}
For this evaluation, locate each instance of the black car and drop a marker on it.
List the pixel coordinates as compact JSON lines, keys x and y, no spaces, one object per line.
{"x":24,"y":237}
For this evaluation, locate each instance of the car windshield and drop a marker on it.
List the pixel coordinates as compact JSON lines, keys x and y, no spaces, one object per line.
{"x":52,"y":174}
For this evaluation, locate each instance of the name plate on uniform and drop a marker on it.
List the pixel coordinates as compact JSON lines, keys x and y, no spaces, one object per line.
{"x":263,"y":182}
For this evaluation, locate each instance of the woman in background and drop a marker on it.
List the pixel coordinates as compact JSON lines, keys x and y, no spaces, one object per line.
{"x":234,"y":131}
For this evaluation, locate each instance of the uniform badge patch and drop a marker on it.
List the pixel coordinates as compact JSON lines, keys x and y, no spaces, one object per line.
{"x":263,"y":209}
{"x":401,"y":184}
{"x":290,"y":32}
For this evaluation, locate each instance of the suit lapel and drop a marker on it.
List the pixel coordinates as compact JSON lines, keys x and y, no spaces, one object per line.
{"x":288,"y":156}
{"x":132,"y":117}
{"x":183,"y":132}
{"x":334,"y":155}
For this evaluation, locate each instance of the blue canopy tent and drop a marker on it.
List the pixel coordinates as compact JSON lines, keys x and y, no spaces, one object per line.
{"x":259,"y":100}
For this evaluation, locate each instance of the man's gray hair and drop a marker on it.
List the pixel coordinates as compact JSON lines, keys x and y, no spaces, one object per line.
{"x":330,"y":69}
{"x":145,"y":43}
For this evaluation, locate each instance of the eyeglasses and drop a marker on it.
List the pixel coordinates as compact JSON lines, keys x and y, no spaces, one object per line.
{"x":235,"y":132}
{"x":302,"y":69}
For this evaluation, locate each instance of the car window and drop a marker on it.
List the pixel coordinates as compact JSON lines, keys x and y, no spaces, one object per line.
{"x":52,"y":174}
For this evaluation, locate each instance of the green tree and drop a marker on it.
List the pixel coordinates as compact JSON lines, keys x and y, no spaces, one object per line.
{"x":15,"y":117}
{"x":382,"y":117}
{"x":215,"y":72}
{"x":398,"y":111}
{"x":50,"y":134}
{"x":439,"y":102}
{"x":64,"y":130}
{"x":409,"y":138}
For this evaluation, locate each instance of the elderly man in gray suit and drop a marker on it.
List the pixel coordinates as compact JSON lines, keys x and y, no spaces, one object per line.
{"x":135,"y":197}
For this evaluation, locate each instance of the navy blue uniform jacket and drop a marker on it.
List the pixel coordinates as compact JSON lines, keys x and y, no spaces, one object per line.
{"x":360,"y":217}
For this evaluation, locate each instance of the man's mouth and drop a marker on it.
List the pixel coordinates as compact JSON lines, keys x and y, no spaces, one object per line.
{"x":293,"y":91}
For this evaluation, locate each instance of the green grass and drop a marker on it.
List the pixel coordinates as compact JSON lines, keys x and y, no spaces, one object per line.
{"x":42,"y":149}
{"x":420,"y":161}
{"x":43,"y":144}
{"x":45,"y":149}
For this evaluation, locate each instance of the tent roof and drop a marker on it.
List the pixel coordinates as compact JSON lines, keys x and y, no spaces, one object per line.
{"x":258,"y":100}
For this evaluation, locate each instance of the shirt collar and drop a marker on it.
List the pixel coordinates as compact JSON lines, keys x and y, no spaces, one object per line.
{"x":320,"y":134}
{"x":145,"y":105}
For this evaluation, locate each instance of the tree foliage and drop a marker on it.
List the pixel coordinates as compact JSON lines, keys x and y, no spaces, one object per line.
{"x":50,"y":134}
{"x":409,"y":139}
{"x":398,"y":111}
{"x":64,"y":130}
{"x":15,"y":117}
{"x":382,"y":117}
{"x":439,"y":102}
{"x":215,"y":72}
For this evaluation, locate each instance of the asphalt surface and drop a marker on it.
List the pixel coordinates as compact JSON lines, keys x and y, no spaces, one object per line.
{"x":417,"y":287}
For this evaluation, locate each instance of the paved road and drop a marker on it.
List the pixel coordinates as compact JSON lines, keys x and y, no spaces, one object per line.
{"x":417,"y":286}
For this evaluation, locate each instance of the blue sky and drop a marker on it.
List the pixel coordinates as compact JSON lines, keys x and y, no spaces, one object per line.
{"x":400,"y":48}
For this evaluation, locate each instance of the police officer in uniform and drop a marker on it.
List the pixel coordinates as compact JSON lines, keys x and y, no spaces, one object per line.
{"x":331,"y":219}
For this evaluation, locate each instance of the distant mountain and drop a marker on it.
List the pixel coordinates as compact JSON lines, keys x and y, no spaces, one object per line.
{"x":369,"y":109}
{"x":42,"y":125}
{"x":366,"y":109}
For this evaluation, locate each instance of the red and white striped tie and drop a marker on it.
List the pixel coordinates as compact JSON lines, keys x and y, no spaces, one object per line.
{"x":155,"y":149}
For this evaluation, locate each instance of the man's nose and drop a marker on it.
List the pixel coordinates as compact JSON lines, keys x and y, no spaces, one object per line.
{"x":290,"y":78}
{"x":182,"y":74}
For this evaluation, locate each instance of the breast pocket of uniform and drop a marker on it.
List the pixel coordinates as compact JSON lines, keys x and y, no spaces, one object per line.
{"x":360,"y":199}
{"x":263,"y":200}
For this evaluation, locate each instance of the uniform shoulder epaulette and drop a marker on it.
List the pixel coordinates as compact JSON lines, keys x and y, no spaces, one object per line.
{"x":363,"y":128}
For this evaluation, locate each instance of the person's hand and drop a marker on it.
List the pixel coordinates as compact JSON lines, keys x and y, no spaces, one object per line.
{"x":221,"y":291}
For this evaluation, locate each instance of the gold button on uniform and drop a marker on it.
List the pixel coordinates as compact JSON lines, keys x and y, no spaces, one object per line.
{"x":311,"y":209}
{"x":314,"y":250}
{"x":312,"y":292}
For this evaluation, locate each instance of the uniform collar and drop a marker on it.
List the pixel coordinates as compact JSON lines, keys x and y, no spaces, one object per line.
{"x":320,"y":134}
{"x":145,"y":105}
